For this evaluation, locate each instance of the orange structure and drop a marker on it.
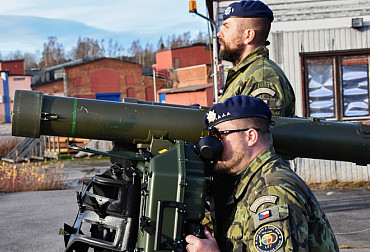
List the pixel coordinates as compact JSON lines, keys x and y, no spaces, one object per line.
{"x":189,"y":72}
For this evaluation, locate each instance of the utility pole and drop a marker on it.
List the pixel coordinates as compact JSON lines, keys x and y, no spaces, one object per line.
{"x":193,"y":9}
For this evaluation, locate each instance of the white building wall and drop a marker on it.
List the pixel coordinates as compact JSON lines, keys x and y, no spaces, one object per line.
{"x":286,"y":46}
{"x":317,"y":170}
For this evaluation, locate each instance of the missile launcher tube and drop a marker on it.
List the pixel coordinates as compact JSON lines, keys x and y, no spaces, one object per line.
{"x":36,"y":114}
{"x":320,"y":139}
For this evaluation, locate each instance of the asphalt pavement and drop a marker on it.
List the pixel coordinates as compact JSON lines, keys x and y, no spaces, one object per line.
{"x":30,"y":221}
{"x":348,"y":211}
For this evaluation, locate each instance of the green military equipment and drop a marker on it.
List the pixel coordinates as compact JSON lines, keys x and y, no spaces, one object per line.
{"x":35,"y":114}
{"x":156,"y":199}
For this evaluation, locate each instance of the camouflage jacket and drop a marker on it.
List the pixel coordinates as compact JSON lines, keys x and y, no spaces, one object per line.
{"x":272,"y":209}
{"x":258,"y":76}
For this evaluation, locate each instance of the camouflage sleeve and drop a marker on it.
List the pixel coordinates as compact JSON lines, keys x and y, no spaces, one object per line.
{"x":277,"y":220}
{"x":278,"y":226}
{"x":273,"y":95}
{"x":208,"y":222}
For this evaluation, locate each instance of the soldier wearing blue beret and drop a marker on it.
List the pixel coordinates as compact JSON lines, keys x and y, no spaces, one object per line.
{"x":243,"y":41}
{"x":270,"y":208}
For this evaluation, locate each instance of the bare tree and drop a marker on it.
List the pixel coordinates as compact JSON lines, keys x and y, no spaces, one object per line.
{"x":16,"y":55}
{"x":186,"y":36}
{"x":86,"y":48}
{"x":202,"y":37}
{"x":29,"y":61}
{"x":175,"y":41}
{"x":53,"y":54}
{"x":149,"y":55}
{"x":102,"y":48}
{"x":136,"y":51}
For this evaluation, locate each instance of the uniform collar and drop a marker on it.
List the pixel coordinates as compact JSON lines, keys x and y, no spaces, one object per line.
{"x":257,"y":53}
{"x":252,"y":168}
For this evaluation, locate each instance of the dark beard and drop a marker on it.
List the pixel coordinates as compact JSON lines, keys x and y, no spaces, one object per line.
{"x":232,"y":55}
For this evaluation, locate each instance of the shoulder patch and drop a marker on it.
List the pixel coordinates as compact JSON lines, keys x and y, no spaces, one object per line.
{"x":268,"y":239}
{"x":260,"y":91}
{"x":262,"y":200}
{"x":269,"y":215}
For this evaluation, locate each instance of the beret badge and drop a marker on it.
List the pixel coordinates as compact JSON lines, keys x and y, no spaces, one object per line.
{"x":248,"y":9}
{"x":212,"y":116}
{"x":236,"y":107}
{"x":228,"y":10}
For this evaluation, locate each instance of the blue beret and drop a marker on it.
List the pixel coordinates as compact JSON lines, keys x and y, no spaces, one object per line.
{"x":248,"y":8}
{"x":240,"y":106}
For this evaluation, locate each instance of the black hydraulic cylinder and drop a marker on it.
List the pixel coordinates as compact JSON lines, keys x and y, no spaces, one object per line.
{"x":36,"y":114}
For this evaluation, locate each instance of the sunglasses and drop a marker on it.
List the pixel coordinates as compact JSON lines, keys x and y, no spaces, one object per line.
{"x":216,"y":133}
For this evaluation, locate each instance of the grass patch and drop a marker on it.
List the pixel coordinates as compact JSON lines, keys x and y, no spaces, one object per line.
{"x":29,"y":176}
{"x":335,"y":184}
{"x":352,"y":247}
{"x":7,"y":144}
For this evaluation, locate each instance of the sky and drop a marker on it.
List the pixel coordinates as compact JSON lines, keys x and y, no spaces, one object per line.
{"x":25,"y":25}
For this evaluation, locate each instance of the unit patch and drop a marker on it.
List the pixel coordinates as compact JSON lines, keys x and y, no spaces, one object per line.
{"x":260,"y":91}
{"x":262,"y":200}
{"x":268,"y":239}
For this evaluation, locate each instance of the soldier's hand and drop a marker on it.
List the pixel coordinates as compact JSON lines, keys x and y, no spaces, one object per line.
{"x":196,"y":244}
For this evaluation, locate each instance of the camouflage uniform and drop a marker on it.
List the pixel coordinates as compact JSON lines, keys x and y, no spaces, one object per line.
{"x":272,"y":209}
{"x":258,"y":76}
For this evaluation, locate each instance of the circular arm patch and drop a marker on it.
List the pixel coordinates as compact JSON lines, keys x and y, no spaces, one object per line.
{"x":268,"y":238}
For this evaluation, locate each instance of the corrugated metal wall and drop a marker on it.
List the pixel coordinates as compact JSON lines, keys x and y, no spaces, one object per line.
{"x":285,"y":48}
{"x":317,"y":9}
{"x":316,"y":171}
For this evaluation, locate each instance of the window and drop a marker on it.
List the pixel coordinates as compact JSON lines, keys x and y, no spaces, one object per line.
{"x":320,"y":88}
{"x":355,"y":86}
{"x":176,"y":63}
{"x":336,"y":85}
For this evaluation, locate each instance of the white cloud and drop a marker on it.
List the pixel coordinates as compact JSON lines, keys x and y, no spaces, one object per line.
{"x":121,"y":20}
{"x":112,"y":15}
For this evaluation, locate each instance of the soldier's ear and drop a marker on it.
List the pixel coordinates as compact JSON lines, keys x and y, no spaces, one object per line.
{"x":251,"y":136}
{"x":249,"y":35}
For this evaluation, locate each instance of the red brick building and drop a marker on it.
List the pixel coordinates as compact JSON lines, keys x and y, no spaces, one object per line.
{"x":102,"y":78}
{"x":14,"y":67}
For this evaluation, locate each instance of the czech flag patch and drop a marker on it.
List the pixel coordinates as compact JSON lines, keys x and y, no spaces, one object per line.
{"x":263,"y":215}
